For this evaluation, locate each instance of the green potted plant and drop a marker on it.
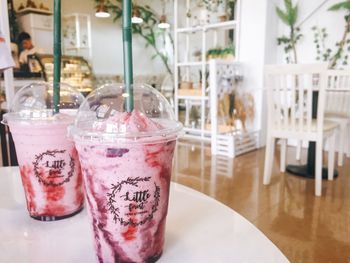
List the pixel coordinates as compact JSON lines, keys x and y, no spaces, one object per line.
{"x":221,"y":53}
{"x":339,"y":56}
{"x":228,"y":53}
{"x":345,"y":41}
{"x":289,"y":17}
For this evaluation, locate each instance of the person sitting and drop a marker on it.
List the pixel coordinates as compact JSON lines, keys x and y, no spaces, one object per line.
{"x":25,"y":40}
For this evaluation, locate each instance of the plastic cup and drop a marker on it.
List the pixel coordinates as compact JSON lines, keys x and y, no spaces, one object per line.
{"x":48,"y":161}
{"x":126,"y":161}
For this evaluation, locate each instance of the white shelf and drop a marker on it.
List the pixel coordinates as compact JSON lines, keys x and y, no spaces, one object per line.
{"x":189,"y":29}
{"x":29,"y":10}
{"x":192,"y":97}
{"x":225,"y":62}
{"x":75,"y":48}
{"x":221,"y":25}
{"x":191,"y":63}
{"x":211,"y":35}
{"x":197,"y":134}
{"x":199,"y":63}
{"x":196,"y":131}
{"x":196,"y":137}
{"x":191,"y":144}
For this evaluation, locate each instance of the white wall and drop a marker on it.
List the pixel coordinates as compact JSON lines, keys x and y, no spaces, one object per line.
{"x":270,"y":57}
{"x":258,"y":28}
{"x":333,"y":21}
{"x":107,"y":40}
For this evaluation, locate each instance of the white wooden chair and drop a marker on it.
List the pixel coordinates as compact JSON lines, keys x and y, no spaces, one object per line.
{"x":290,"y":91}
{"x":337,"y":108}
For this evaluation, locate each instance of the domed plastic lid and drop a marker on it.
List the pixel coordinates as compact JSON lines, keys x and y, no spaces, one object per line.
{"x":34,"y":102}
{"x":103,"y":117}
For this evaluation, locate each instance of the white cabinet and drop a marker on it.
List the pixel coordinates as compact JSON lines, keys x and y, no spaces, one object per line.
{"x":76,"y":35}
{"x":40,"y":28}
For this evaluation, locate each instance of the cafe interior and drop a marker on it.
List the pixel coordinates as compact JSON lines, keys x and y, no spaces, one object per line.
{"x":257,"y":98}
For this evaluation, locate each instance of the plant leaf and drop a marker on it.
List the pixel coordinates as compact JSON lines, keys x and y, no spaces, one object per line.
{"x":294,"y":15}
{"x":154,"y":56}
{"x":288,"y":4}
{"x":341,"y":5}
{"x":290,"y":15}
{"x":283,"y":16}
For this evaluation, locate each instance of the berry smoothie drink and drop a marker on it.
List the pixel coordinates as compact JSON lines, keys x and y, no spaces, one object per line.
{"x":126,"y":161}
{"x":48,"y":161}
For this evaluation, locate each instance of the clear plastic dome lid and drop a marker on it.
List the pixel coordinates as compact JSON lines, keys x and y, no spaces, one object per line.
{"x":103,"y":116}
{"x":35,"y":102}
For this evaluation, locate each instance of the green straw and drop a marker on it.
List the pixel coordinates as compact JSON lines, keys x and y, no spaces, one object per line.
{"x":56,"y":55}
{"x":127,"y":54}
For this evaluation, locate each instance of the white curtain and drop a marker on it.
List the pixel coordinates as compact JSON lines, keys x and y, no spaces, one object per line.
{"x":4,"y":28}
{"x":6,"y":60}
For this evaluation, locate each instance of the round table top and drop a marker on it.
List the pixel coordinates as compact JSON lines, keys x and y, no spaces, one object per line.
{"x":199,"y":229}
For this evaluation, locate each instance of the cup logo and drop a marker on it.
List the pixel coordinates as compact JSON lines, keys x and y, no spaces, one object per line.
{"x":133,"y":201}
{"x":54,"y":168}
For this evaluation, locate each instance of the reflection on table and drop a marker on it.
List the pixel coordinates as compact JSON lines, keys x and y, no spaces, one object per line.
{"x":199,"y":229}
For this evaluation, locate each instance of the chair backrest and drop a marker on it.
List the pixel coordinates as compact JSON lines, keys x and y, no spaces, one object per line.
{"x":296,"y":96}
{"x":338,"y":92}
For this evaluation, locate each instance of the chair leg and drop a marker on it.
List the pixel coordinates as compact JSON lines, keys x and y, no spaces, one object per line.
{"x":269,"y":154}
{"x":341,"y":143}
{"x":318,"y":168}
{"x":283,"y":155}
{"x":298,"y":150}
{"x":331,"y":147}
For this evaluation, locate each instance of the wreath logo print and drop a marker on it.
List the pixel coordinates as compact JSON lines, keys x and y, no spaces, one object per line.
{"x":133,"y":202}
{"x":49,"y":168}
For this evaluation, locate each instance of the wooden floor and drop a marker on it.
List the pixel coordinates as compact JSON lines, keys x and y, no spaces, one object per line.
{"x":304,"y":227}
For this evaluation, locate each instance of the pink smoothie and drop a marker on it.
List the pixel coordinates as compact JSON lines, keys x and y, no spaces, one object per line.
{"x":49,"y":166}
{"x":127,"y":186}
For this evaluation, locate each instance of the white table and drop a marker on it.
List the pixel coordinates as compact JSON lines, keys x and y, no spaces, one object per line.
{"x":199,"y":229}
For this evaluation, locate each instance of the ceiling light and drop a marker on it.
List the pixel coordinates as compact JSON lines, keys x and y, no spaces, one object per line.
{"x":136,"y":18}
{"x":163,"y":24}
{"x":102,"y":11}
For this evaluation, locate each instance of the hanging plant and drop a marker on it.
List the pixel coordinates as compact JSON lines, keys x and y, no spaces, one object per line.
{"x":338,"y":56}
{"x":320,"y":36}
{"x":14,"y":27}
{"x":212,"y":5}
{"x":231,"y":4}
{"x":289,"y":17}
{"x":343,"y":46}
